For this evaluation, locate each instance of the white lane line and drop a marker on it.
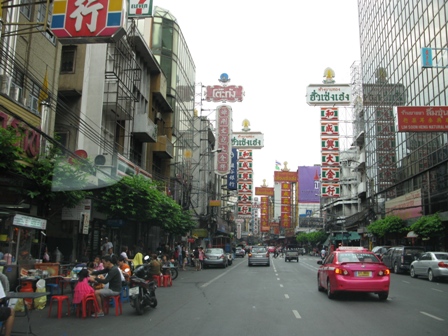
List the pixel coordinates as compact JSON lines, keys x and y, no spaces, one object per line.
{"x":286,"y":296}
{"x":281,"y":285}
{"x":406,"y":282}
{"x":278,"y":278}
{"x":434,"y":317}
{"x":222,"y":274}
{"x":296,"y":314}
{"x":437,"y":290}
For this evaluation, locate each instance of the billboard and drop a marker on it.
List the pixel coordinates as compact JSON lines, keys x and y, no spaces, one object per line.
{"x":140,"y":8}
{"x":406,"y":206}
{"x":244,"y":140}
{"x":99,"y":21}
{"x":223,"y":132}
{"x":328,"y":94}
{"x":218,"y":93}
{"x":422,"y":118}
{"x":309,"y":184}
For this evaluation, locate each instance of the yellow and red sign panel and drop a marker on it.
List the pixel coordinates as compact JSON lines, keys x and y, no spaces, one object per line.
{"x":87,"y":21}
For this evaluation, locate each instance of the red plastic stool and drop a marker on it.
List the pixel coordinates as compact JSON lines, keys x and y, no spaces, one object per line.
{"x":60,"y":299}
{"x":116,"y":303}
{"x":158,"y":280}
{"x":167,"y":281}
{"x":87,"y":304}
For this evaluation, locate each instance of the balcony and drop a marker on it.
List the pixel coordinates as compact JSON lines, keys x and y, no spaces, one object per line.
{"x":362,"y":189}
{"x":163,"y":148}
{"x":144,"y":128}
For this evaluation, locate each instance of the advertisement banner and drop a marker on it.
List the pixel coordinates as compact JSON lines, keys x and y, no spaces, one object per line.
{"x":330,"y":190}
{"x":232,"y":176}
{"x":218,"y":93}
{"x":309,"y":191}
{"x":330,"y":113}
{"x":422,"y":118}
{"x":223,"y":132}
{"x":330,"y":159}
{"x":88,"y":22}
{"x":328,"y":95}
{"x":247,"y":140}
{"x":264,"y":191}
{"x":285,"y":176}
{"x":331,"y":174}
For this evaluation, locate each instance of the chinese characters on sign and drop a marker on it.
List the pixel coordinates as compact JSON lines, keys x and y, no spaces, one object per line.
{"x":245,"y":183}
{"x":224,"y":130}
{"x":422,"y":118}
{"x":87,"y":21}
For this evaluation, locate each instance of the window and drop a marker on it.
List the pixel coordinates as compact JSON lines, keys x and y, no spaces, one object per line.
{"x":41,"y":13}
{"x":25,"y":8}
{"x":68,"y":59}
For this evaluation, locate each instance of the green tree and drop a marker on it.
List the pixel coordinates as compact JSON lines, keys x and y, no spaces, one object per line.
{"x":138,"y":198}
{"x":46,"y":176}
{"x":428,"y":226}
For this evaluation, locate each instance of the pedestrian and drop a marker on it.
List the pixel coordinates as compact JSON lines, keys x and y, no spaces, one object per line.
{"x":184,"y":258}
{"x":323,"y":253}
{"x":124,"y":253}
{"x":201,"y":258}
{"x":179,"y":254}
{"x":106,"y":246}
{"x":197,"y":263}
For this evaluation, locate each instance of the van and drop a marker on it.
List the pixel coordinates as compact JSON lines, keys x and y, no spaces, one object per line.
{"x":399,"y":258}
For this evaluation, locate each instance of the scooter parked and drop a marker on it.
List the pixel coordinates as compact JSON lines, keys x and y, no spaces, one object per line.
{"x":142,"y":290}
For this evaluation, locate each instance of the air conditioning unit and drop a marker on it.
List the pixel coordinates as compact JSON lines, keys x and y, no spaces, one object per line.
{"x":16,"y":93}
{"x":103,"y":160}
{"x":5,"y":84}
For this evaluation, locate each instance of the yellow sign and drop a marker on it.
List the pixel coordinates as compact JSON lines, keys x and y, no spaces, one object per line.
{"x":214,"y":203}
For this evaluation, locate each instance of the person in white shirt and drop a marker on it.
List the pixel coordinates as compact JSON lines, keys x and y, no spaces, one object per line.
{"x":6,"y":313}
{"x":106,"y":246}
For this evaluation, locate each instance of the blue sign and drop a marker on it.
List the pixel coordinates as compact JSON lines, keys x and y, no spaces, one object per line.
{"x":426,"y":57}
{"x":232,"y":176}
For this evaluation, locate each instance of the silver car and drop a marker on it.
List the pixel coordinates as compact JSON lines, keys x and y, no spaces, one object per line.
{"x":432,"y":265}
{"x":259,"y":256}
{"x":215,"y":257}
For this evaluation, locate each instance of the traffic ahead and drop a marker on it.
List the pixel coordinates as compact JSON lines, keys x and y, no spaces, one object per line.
{"x":281,"y":299}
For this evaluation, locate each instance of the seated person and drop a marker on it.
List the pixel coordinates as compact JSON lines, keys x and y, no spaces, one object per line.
{"x":97,"y":264}
{"x":113,"y":278}
{"x":6,"y":314}
{"x":155,"y":268}
{"x":82,"y":287}
{"x":125,"y":269}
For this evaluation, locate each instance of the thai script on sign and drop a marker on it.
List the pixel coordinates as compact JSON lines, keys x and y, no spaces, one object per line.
{"x":327,"y":97}
{"x":218,"y":93}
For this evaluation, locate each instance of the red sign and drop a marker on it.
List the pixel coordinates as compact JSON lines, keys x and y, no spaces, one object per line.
{"x":217,"y":93}
{"x":224,"y":131}
{"x":87,"y":19}
{"x":422,"y":118}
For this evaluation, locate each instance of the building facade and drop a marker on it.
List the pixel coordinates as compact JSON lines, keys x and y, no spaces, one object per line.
{"x":408,"y":166}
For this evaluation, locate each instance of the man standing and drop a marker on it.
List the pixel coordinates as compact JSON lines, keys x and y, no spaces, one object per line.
{"x":106,"y":246}
{"x":179,"y":255}
{"x":113,"y":278}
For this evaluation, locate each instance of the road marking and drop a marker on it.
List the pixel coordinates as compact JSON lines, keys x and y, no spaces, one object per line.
{"x":278,"y":278}
{"x":437,"y":290}
{"x":296,"y":314}
{"x":406,"y":282}
{"x":434,"y":317}
{"x":286,"y":296}
{"x":281,"y":285}
{"x":222,"y":274}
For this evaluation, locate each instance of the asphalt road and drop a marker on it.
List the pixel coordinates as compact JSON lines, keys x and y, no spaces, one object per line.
{"x":278,"y":300}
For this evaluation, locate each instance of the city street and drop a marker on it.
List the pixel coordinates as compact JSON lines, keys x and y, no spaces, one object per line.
{"x":278,"y":300}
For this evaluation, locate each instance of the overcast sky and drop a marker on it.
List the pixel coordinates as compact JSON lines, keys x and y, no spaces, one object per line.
{"x":274,"y":49}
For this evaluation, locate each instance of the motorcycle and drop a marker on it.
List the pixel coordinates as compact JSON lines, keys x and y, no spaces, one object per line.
{"x":142,"y":290}
{"x":172,"y":267}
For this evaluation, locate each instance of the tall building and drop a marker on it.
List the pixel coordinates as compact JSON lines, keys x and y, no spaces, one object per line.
{"x":405,"y":172}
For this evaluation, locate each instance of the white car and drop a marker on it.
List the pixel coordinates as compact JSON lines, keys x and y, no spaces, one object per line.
{"x":433,"y":265}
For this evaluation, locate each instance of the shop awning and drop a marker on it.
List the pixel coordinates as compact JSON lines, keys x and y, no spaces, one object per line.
{"x":411,"y":234}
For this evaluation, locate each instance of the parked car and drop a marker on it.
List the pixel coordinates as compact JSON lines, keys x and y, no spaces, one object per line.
{"x":380,"y":250}
{"x":399,"y":258}
{"x":433,"y":265}
{"x":353,"y":269}
{"x":215,"y":257}
{"x":240,"y":252}
{"x":259,"y":255}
